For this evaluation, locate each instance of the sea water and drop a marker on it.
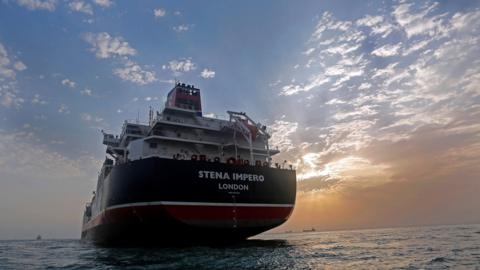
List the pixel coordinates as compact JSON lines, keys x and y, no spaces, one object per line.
{"x":437,"y":247}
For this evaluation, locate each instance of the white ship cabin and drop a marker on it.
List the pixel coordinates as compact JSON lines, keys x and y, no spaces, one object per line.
{"x":181,"y":132}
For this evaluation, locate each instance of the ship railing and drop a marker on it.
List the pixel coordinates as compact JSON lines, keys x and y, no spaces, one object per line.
{"x":233,"y":161}
{"x":205,"y":139}
{"x":217,"y":159}
{"x":204,"y":123}
{"x":136,"y":121}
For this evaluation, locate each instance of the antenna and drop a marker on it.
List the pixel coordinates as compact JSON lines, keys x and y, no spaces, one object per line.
{"x":150,"y":115}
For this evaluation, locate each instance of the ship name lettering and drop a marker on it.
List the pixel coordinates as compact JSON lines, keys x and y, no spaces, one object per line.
{"x":234,"y":176}
{"x":248,"y":177}
{"x":233,"y":186}
{"x":213,"y":175}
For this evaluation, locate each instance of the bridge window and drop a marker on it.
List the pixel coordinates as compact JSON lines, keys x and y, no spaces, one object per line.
{"x":153,"y":145}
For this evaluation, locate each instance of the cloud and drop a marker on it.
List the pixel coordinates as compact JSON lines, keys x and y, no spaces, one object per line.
{"x":86,"y":92}
{"x":33,"y":168}
{"x":402,"y":116}
{"x":309,"y":51}
{"x":134,"y":73}
{"x":37,"y":100}
{"x":158,"y":12}
{"x":369,"y":20}
{"x":281,"y":132}
{"x":364,"y":85}
{"x":387,"y":50}
{"x":416,"y":46}
{"x":465,"y":21}
{"x":89,"y":118}
{"x":418,"y":22}
{"x":314,"y":82}
{"x":207,"y":73}
{"x":5,"y":70}
{"x":151,"y":98}
{"x":27,"y":159}
{"x":9,"y":93}
{"x":180,"y":65}
{"x":38,"y":4}
{"x":81,"y":6}
{"x":63,"y":109}
{"x":104,"y":3}
{"x":106,"y":46}
{"x":69,"y":83}
{"x":431,"y":178}
{"x":20,"y":66}
{"x":274,"y":84}
{"x":377,"y":25}
{"x":337,"y":43}
{"x":181,"y":28}
{"x":390,"y":204}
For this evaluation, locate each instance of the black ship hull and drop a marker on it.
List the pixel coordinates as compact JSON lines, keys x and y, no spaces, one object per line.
{"x":157,"y":201}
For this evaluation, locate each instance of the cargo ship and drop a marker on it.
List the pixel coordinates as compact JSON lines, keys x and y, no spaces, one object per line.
{"x":184,"y":177}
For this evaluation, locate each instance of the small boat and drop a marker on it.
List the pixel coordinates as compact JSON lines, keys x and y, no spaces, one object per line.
{"x":309,"y":230}
{"x":39,"y":237}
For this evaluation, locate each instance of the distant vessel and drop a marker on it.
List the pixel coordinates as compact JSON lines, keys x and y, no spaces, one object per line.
{"x":309,"y":230}
{"x":39,"y":237}
{"x":185,"y":177}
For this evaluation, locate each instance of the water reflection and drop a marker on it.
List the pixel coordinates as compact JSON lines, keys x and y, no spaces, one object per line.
{"x":422,"y":247}
{"x":246,"y":254}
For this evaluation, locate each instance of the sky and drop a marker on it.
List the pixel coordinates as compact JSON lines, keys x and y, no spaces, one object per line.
{"x":377,"y":104}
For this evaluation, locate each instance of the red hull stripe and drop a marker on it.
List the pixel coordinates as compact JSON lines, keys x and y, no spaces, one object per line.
{"x":191,"y":211}
{"x":227,"y":212}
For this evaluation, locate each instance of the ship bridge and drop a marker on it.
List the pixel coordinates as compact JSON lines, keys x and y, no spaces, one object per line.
{"x":181,"y":132}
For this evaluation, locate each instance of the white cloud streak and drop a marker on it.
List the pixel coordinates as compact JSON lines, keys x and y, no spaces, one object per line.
{"x":69,"y":83}
{"x":81,"y":6}
{"x":104,"y":3}
{"x":5,"y":70}
{"x":63,"y":109}
{"x":427,"y":80}
{"x":180,"y":65}
{"x":181,"y":28}
{"x":86,"y":92}
{"x":134,"y":73}
{"x":9,"y":93}
{"x":207,"y":73}
{"x":38,"y":4}
{"x":159,"y":12}
{"x":387,"y":50}
{"x":106,"y":46}
{"x":20,"y":66}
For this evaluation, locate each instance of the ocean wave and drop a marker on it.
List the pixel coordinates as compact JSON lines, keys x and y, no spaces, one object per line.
{"x":429,"y":247}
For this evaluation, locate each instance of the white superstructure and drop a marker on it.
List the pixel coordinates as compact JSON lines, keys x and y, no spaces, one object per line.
{"x":180,"y":131}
